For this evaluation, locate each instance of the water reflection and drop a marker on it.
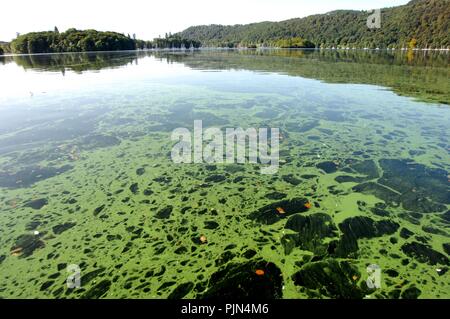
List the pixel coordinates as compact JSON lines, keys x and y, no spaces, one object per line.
{"x":419,"y":74}
{"x":77,"y":62}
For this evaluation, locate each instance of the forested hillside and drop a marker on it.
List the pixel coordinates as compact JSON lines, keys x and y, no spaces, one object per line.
{"x":418,"y":24}
{"x":426,"y":21}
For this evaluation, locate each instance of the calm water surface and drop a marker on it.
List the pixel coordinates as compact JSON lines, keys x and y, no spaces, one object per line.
{"x":86,"y":177}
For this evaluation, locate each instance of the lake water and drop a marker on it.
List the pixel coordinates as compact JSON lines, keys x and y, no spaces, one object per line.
{"x":359,"y":207}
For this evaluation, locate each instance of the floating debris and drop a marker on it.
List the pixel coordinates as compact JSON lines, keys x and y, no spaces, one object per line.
{"x":16,"y":251}
{"x":25,"y":245}
{"x":203,"y":239}
{"x":259,"y":272}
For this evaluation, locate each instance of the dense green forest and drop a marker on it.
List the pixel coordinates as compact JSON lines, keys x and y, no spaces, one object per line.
{"x":74,"y":40}
{"x":426,"y":21}
{"x":4,"y":47}
{"x":174,"y":41}
{"x":418,"y":24}
{"x":71,"y":41}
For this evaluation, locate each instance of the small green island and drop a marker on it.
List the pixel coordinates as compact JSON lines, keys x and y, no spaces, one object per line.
{"x":74,"y":40}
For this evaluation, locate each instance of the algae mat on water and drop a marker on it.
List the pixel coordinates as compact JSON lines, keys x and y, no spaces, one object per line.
{"x":86,"y":179}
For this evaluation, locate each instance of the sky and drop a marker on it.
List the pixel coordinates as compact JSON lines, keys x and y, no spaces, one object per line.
{"x":149,"y":19}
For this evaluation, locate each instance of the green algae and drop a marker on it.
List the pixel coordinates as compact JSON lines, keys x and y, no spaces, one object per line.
{"x":105,"y":195}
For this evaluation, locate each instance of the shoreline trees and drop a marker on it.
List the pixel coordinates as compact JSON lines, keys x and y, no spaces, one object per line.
{"x":74,"y":40}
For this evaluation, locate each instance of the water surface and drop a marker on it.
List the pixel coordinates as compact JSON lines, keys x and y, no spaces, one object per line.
{"x":86,"y":176}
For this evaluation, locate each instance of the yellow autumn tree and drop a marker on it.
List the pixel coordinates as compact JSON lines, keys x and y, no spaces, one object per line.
{"x":412,"y":44}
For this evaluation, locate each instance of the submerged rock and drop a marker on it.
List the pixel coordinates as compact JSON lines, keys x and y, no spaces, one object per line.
{"x":359,"y":227}
{"x":380,"y":191}
{"x":181,"y":250}
{"x":181,"y":291}
{"x":433,"y":230}
{"x":166,"y":285}
{"x":349,"y":179}
{"x":330,"y":278}
{"x":232,"y":169}
{"x":275,"y":196}
{"x":334,"y":116}
{"x":88,"y":277}
{"x":424,"y":254}
{"x":392,"y":273}
{"x":148,"y":192}
{"x":37,"y":203}
{"x":99,"y":209}
{"x":249,"y":254}
{"x":418,"y":188}
{"x":252,"y":280}
{"x":311,"y":232}
{"x":302,"y":127}
{"x":164,"y":213}
{"x":328,"y":167}
{"x":98,"y":141}
{"x":30,"y":175}
{"x":215,"y":178}
{"x":379,"y":212}
{"x":134,"y":188}
{"x":211,"y":224}
{"x":224,"y":258}
{"x":58,"y":229}
{"x":270,"y":215}
{"x":405,"y":175}
{"x":411,"y":293}
{"x":367,"y":167}
{"x":446,"y":216}
{"x":46,"y":285}
{"x":32,"y":225}
{"x":366,"y":227}
{"x":405,"y":233}
{"x":26,"y":244}
{"x":308,"y":176}
{"x":291,"y":179}
{"x":446,"y":247}
{"x":345,"y":247}
{"x":417,"y":202}
{"x":97,"y":291}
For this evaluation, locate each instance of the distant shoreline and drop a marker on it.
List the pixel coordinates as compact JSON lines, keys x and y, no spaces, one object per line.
{"x":229,"y":49}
